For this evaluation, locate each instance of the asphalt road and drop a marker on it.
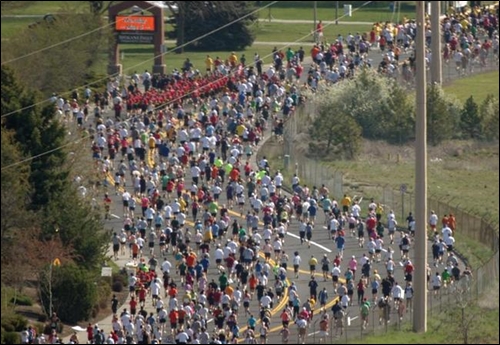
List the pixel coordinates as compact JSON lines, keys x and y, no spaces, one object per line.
{"x":321,"y":244}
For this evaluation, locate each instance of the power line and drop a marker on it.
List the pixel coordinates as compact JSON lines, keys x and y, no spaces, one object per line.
{"x":151,"y":59}
{"x":70,"y":39}
{"x":173,"y":100}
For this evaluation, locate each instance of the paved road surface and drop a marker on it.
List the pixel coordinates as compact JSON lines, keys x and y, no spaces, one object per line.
{"x":321,"y":244}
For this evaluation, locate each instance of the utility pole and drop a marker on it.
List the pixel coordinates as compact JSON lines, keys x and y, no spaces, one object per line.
{"x":181,"y":26}
{"x":420,"y":281}
{"x":315,"y":13}
{"x":437,"y":57}
{"x":336,"y":13}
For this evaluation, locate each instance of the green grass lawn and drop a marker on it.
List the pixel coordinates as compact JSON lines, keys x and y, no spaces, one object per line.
{"x":279,"y":32}
{"x":40,"y":7}
{"x":282,"y":10}
{"x":477,"y":86}
{"x":442,"y":329}
{"x":328,"y":13}
{"x":11,"y":26}
{"x":140,"y":57}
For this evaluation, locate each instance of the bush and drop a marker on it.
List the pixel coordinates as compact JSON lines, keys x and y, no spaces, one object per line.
{"x":11,"y":338}
{"x":40,"y":327}
{"x":8,"y":327}
{"x":22,"y":300}
{"x":104,"y":292}
{"x":117,"y":286}
{"x":443,"y":116}
{"x":121,"y":276}
{"x":489,"y":117}
{"x":47,"y":330}
{"x":95,"y":311}
{"x":14,"y":323}
{"x":119,"y":281}
{"x":76,"y":293}
{"x":370,"y":105}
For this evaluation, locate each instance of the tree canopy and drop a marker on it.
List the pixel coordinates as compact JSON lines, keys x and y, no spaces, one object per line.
{"x":78,"y":39}
{"x":197,"y":18}
{"x":43,"y":216}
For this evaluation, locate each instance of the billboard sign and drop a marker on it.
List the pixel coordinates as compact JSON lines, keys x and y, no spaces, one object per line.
{"x":135,"y":37}
{"x":135,"y":23}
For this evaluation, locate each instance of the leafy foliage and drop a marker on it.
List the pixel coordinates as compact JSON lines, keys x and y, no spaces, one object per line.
{"x":36,"y":131}
{"x":79,"y":227}
{"x":14,"y":194}
{"x":490,"y":123}
{"x":196,"y":18}
{"x":470,"y":121}
{"x":42,"y":216}
{"x":369,"y":106}
{"x":63,"y":65}
{"x":74,"y":291}
{"x":443,"y":115}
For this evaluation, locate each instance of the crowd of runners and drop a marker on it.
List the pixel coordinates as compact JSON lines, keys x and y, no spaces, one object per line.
{"x":205,"y":225}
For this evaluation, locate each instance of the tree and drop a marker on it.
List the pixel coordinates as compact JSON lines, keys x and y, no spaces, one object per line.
{"x":79,"y":227}
{"x":214,"y":14}
{"x":53,"y":197}
{"x":489,"y":118}
{"x":74,"y":292}
{"x":443,"y":114}
{"x":15,"y":191}
{"x":63,"y":65}
{"x":470,"y":121}
{"x":369,"y":105}
{"x":400,"y":127}
{"x":15,"y":217}
{"x":36,"y":131}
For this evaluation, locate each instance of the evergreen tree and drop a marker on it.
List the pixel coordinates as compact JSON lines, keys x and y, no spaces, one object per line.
{"x":442,"y":116}
{"x":39,"y":134}
{"x":490,"y":123}
{"x":470,"y":121}
{"x":197,"y":18}
{"x":36,"y":131}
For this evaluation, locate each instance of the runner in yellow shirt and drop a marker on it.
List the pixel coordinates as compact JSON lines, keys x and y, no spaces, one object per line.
{"x":313,"y":262}
{"x":346,"y":203}
{"x":209,"y":63}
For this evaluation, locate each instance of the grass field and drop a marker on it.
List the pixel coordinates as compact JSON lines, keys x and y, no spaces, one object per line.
{"x":11,"y":26}
{"x":279,"y":32}
{"x":445,"y":327}
{"x":477,"y":86}
{"x":327,"y":14}
{"x":39,"y":7}
{"x":140,"y":57}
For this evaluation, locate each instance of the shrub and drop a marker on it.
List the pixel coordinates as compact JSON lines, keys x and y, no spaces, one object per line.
{"x":120,"y":276}
{"x":104,"y":292}
{"x":7,"y":327}
{"x":117,"y":286}
{"x":11,"y":338}
{"x":75,"y":290}
{"x":40,"y":327}
{"x":22,"y":300}
{"x":443,"y":116}
{"x":14,"y":323}
{"x":489,"y":117}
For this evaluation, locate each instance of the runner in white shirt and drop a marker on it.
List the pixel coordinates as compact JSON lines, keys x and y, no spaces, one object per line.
{"x":277,"y":246}
{"x":335,"y":277}
{"x":296,"y":263}
{"x":356,"y":210}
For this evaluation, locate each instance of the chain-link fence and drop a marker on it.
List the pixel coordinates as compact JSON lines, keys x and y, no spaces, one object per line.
{"x":295,"y":158}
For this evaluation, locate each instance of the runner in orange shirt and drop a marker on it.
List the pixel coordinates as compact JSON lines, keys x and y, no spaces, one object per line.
{"x":452,"y":222}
